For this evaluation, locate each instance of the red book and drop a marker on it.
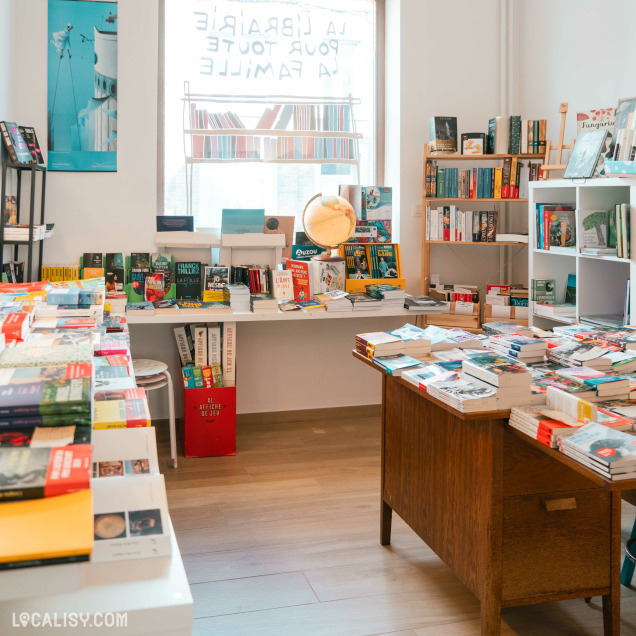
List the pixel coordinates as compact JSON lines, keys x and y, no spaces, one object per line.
{"x":210,"y":422}
{"x":15,"y":326}
{"x":301,"y":279}
{"x":33,"y":473}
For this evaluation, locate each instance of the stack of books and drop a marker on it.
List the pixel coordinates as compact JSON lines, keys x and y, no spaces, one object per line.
{"x":509,"y":379}
{"x":425,"y":305}
{"x":395,"y":364}
{"x":428,"y":373}
{"x":415,"y":343}
{"x":577,"y":353}
{"x":609,"y":452}
{"x":390,"y":294}
{"x":526,"y":350}
{"x":606,"y":386}
{"x":362,"y":302}
{"x":117,"y":301}
{"x":335,"y":300}
{"x":464,"y":396}
{"x":21,"y":232}
{"x":238,"y":295}
{"x":378,"y":343}
{"x":263,"y":303}
{"x":442,"y":339}
{"x":506,"y":328}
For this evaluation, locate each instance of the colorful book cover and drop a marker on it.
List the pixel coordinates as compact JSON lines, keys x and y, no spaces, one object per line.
{"x":33,"y":473}
{"x":40,"y":356}
{"x":188,"y":279}
{"x":356,"y":261}
{"x":154,"y":287}
{"x":10,"y":210}
{"x":44,"y":436}
{"x":387,"y":261}
{"x":329,"y":276}
{"x":562,"y":226}
{"x":120,"y":414}
{"x":162,"y":263}
{"x":31,"y":140}
{"x":371,"y":232}
{"x":28,"y":375}
{"x":377,"y":203}
{"x":16,"y":145}
{"x":48,"y":397}
{"x":215,"y":280}
{"x":140,"y":260}
{"x":302,"y":274}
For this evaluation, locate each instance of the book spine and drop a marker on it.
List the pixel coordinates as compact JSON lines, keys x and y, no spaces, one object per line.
{"x":543,"y":125}
{"x":182,"y":346}
{"x":535,"y":136}
{"x":498,"y":182}
{"x":446,"y":221}
{"x":505,"y":178}
{"x":229,"y":353}
{"x":200,"y":346}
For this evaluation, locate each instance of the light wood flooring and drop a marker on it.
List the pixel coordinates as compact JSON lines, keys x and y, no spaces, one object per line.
{"x":283,"y":539}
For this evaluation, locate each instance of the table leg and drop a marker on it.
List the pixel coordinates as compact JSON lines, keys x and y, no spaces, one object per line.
{"x":490,"y":617}
{"x":386,"y":515}
{"x":612,"y":601}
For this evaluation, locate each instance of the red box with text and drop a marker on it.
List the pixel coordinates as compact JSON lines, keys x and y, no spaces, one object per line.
{"x":210,"y":422}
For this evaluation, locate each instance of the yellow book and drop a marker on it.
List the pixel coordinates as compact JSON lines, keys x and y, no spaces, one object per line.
{"x":93,"y":272}
{"x":213,"y":296}
{"x":120,"y":414}
{"x":498,"y":179}
{"x":46,"y":529}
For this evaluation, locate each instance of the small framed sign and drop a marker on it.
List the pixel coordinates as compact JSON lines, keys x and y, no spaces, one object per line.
{"x":473,"y":143}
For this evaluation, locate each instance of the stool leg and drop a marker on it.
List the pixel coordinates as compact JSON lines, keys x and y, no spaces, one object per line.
{"x":627,"y":571}
{"x":173,"y":435}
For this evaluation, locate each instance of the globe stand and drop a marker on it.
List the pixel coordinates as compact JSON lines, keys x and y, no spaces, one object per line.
{"x":329,"y":256}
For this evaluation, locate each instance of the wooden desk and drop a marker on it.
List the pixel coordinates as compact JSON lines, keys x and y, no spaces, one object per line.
{"x":516,"y":523}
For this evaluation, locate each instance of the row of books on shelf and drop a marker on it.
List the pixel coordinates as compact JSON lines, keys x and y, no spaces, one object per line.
{"x":600,"y":232}
{"x":79,"y":474}
{"x":508,"y":182}
{"x":448,"y":223}
{"x":506,"y":135}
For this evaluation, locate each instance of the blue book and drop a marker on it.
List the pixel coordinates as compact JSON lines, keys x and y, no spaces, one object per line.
{"x":395,"y":364}
{"x":242,"y":221}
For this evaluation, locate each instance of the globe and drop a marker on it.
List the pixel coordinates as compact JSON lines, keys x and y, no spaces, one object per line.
{"x":328,"y":220}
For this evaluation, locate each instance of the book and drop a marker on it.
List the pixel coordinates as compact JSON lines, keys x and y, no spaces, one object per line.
{"x":132,"y":413}
{"x":32,"y":473}
{"x":39,"y":356}
{"x":378,"y":343}
{"x":396,"y":363}
{"x":214,"y":344}
{"x":35,"y":436}
{"x":427,"y":373}
{"x":229,"y":354}
{"x":328,"y":276}
{"x":443,"y":134}
{"x":544,"y":290}
{"x":154,"y":287}
{"x":188,"y":280}
{"x":130,"y":519}
{"x":424,"y":304}
{"x":282,"y":284}
{"x":199,"y":307}
{"x":162,"y":263}
{"x":356,"y":261}
{"x":68,"y":520}
{"x":10,"y":213}
{"x":120,"y":453}
{"x":175,"y":223}
{"x":200,"y":342}
{"x":31,"y":140}
{"x":376,"y":204}
{"x":473,"y":143}
{"x":594,"y":228}
{"x":165,"y":307}
{"x":140,"y":260}
{"x":215,"y":280}
{"x":464,"y":395}
{"x":302,"y":279}
{"x":605,"y":446}
{"x":585,"y":154}
{"x":497,"y":370}
{"x":143,"y":308}
{"x":15,"y":143}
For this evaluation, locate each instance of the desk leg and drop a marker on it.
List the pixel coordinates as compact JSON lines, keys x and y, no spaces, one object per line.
{"x":490,"y":617}
{"x":612,"y":602}
{"x":386,"y":515}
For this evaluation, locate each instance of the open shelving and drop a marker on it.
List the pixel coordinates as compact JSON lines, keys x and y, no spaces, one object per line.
{"x":601,"y":281}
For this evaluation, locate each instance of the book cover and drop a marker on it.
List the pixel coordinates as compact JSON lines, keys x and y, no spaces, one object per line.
{"x":16,"y":145}
{"x":328,"y":276}
{"x":282,"y":284}
{"x":377,"y":203}
{"x":371,"y":232}
{"x":215,"y":280}
{"x":188,"y":280}
{"x":594,"y":226}
{"x":496,"y":369}
{"x":604,"y":445}
{"x":31,"y":140}
{"x":302,"y":279}
{"x":473,"y":143}
{"x":121,"y":453}
{"x":154,"y":287}
{"x":39,"y":356}
{"x":161,"y":263}
{"x":140,"y":260}
{"x":10,"y":211}
{"x":32,"y":473}
{"x":179,"y":223}
{"x":68,"y":536}
{"x":387,"y":261}
{"x":242,"y":221}
{"x":443,"y":134}
{"x":109,"y":414}
{"x":585,"y":154}
{"x":229,"y":354}
{"x":562,"y":226}
{"x":130,"y":518}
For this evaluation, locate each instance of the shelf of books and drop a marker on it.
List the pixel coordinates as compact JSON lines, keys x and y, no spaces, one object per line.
{"x":581,"y":263}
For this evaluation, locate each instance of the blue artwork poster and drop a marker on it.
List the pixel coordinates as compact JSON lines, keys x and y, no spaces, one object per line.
{"x":82,"y":86}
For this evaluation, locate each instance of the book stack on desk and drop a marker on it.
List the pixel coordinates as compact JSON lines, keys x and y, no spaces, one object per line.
{"x":442,"y":339}
{"x":428,"y":373}
{"x":605,"y":386}
{"x":526,"y":350}
{"x":396,"y":363}
{"x":506,"y":328}
{"x":415,"y":342}
{"x":510,"y":379}
{"x":464,"y":396}
{"x":609,"y":452}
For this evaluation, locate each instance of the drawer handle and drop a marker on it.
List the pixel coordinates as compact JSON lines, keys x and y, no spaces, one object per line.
{"x":560,"y":504}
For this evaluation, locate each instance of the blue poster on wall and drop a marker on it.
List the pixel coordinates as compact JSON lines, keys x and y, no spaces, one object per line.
{"x":82,"y":86}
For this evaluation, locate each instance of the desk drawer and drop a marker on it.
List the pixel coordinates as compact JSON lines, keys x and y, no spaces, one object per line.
{"x":555,"y":543}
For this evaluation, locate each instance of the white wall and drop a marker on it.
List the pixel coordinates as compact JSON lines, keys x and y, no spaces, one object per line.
{"x":6,"y":44}
{"x":442,"y":59}
{"x":98,"y":212}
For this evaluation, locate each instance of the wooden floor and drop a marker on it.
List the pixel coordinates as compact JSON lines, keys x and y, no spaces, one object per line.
{"x":283,"y":539}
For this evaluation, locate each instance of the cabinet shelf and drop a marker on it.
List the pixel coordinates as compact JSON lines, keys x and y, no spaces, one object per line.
{"x":433,"y":199}
{"x":454,"y":157}
{"x":482,"y":243}
{"x":267,"y":132}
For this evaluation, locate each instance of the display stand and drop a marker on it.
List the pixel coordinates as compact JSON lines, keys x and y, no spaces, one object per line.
{"x":34,"y":169}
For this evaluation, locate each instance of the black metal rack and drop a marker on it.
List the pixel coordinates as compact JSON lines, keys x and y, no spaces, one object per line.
{"x":33,"y":168}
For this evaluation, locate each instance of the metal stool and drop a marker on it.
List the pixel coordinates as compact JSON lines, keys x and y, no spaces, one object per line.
{"x":153,"y":374}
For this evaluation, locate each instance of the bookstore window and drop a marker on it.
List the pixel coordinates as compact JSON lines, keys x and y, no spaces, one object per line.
{"x":266,"y":103}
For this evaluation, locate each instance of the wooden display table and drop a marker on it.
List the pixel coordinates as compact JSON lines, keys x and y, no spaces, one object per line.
{"x":516,"y":521}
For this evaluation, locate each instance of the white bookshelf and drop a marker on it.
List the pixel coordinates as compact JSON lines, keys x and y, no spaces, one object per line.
{"x":600,"y":280}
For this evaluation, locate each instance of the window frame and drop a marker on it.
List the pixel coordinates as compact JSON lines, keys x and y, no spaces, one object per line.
{"x":379,"y":98}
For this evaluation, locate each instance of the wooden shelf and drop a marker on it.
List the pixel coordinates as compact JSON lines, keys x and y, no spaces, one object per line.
{"x":467,"y":199}
{"x":457,"y":157}
{"x":484,"y":243}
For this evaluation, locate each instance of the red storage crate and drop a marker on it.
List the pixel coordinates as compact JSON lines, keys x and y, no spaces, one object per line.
{"x":210,"y":422}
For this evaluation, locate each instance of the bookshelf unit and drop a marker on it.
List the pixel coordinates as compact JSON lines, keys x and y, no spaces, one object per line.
{"x":428,"y":201}
{"x":601,"y":281}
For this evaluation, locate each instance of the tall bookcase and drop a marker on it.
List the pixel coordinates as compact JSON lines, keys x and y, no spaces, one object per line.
{"x":601,"y":281}
{"x":517,"y":206}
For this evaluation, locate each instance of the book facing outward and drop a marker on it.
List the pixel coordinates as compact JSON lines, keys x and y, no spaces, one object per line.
{"x":497,"y":370}
{"x":126,"y":413}
{"x":32,"y":473}
{"x":68,"y":520}
{"x":130,"y":519}
{"x":396,"y":363}
{"x":120,"y":452}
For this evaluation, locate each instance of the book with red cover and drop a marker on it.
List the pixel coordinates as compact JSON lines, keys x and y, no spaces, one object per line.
{"x":301,"y":279}
{"x":33,"y":473}
{"x":210,"y":422}
{"x":15,"y":326}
